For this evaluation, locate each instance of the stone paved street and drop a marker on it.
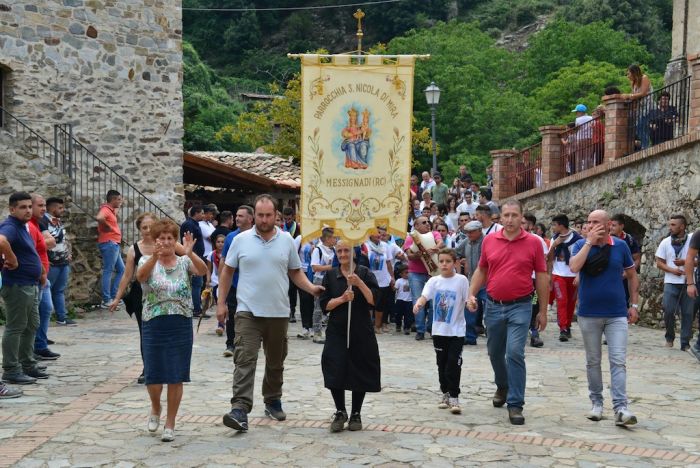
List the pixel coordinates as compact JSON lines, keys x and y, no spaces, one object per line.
{"x":91,"y":412}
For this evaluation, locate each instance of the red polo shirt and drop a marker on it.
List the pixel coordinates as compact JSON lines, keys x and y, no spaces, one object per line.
{"x":39,"y":243}
{"x":510,"y":264}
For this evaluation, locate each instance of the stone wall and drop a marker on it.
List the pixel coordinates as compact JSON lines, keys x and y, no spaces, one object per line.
{"x":113,"y":70}
{"x":648,"y":186}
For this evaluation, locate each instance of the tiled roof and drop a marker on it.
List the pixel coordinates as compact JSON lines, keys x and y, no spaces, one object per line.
{"x":282,"y":170}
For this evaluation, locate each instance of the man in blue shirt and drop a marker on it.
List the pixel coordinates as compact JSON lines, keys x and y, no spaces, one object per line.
{"x":20,"y":290}
{"x":191,"y":224}
{"x":600,"y":261}
{"x":244,"y":221}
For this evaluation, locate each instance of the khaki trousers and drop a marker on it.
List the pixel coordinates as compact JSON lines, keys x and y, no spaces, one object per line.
{"x":250,"y":332}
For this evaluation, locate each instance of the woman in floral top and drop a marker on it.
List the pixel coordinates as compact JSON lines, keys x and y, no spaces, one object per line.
{"x":167,"y":328}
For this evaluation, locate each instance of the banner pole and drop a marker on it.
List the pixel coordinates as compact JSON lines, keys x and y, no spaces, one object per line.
{"x":352,"y":271}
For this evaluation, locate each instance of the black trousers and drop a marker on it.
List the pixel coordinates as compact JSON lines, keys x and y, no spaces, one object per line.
{"x":231,"y":303}
{"x":292,"y":298}
{"x":448,"y":353}
{"x":306,"y":308}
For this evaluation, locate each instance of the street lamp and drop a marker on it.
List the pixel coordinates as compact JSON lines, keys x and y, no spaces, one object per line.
{"x":432,"y":95}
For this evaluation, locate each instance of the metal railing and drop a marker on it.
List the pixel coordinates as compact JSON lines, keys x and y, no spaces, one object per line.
{"x":659,"y":116}
{"x":583,"y":146}
{"x":32,"y":142}
{"x":526,"y":167}
{"x":91,"y":179}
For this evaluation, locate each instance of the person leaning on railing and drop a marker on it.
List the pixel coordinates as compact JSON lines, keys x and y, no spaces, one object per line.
{"x":662,"y":120}
{"x":641,"y":87}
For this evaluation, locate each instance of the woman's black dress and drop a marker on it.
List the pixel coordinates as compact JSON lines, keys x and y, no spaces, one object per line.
{"x":356,"y":369}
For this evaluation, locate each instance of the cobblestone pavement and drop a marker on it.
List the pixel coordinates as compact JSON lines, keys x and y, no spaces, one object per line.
{"x":91,"y":412}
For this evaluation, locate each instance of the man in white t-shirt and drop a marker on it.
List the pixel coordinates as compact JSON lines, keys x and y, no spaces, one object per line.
{"x":321,"y":261}
{"x":468,"y":205}
{"x":381,"y":264}
{"x":670,"y":258}
{"x":565,"y":292}
{"x":483,"y":215}
{"x":207,"y":228}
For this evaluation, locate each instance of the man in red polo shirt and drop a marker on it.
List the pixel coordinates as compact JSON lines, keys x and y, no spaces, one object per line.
{"x":42,"y":241}
{"x":508,"y":259}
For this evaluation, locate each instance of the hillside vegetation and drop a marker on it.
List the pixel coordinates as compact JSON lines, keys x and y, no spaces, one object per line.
{"x":492,"y":97}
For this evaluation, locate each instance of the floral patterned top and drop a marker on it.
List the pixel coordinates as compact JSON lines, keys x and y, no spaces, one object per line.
{"x":167,"y":291}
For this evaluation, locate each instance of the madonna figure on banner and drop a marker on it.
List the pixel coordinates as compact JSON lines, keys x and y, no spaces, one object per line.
{"x":355,"y":142}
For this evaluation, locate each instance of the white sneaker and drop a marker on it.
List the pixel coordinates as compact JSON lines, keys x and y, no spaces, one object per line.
{"x":454,"y":406}
{"x":153,"y":422}
{"x":624,"y":417}
{"x":596,"y":412}
{"x":444,"y":401}
{"x":168,"y":435}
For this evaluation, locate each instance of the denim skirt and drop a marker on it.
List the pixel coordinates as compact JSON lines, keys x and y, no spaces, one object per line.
{"x":167,"y":349}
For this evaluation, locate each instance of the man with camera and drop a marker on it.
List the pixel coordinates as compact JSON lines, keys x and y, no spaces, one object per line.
{"x":600,"y":260}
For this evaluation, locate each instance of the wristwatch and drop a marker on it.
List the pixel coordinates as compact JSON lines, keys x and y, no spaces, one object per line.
{"x":636,"y":306}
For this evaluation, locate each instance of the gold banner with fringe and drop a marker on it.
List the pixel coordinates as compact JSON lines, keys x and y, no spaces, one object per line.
{"x":355,"y":144}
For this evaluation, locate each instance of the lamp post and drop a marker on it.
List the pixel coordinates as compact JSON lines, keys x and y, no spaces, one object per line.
{"x":432,"y":95}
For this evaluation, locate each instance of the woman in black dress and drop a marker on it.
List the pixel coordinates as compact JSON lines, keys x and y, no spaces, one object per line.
{"x":357,"y":368}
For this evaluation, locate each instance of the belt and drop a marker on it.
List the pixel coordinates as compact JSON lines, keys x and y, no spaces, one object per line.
{"x":519,"y":300}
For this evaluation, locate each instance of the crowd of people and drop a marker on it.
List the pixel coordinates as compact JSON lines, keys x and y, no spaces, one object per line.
{"x":464,"y":268}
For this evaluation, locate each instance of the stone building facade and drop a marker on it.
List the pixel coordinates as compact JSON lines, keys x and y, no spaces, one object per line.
{"x":648,"y":187}
{"x":685,"y":38}
{"x":113,"y":71}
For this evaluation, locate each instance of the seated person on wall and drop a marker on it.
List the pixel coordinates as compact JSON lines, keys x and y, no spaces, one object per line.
{"x":662,"y":120}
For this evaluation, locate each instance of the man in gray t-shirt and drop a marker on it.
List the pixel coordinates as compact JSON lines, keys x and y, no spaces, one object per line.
{"x":267,"y":259}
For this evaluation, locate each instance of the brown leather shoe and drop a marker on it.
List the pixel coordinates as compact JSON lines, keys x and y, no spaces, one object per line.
{"x":499,"y":398}
{"x":516,"y":416}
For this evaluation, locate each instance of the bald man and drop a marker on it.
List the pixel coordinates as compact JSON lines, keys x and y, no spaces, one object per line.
{"x":603,"y":310}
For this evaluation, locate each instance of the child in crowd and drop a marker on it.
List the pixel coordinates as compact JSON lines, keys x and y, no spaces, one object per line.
{"x":212,"y":273}
{"x":449,"y":293}
{"x":404,"y":302}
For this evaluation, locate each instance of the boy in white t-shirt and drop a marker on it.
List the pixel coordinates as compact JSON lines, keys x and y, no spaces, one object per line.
{"x":448,"y":294}
{"x":404,"y":301}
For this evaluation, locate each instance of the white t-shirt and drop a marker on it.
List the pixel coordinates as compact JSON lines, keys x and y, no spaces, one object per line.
{"x":321,"y":256}
{"x":378,"y":259}
{"x":214,"y":269}
{"x":495,"y":227}
{"x":465,"y":207}
{"x":403,"y":290}
{"x":449,"y":298}
{"x":426,"y":186}
{"x":559,"y":266}
{"x":668,"y":254}
{"x":544,"y":248}
{"x":207,"y":229}
{"x":395,"y":251}
{"x":585,"y":133}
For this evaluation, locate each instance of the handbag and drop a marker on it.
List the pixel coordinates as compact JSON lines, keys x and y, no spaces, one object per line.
{"x":598,"y":262}
{"x":133,"y":298}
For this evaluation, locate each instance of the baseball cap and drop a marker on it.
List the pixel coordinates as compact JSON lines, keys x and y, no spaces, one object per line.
{"x":473,"y":226}
{"x":580,"y":108}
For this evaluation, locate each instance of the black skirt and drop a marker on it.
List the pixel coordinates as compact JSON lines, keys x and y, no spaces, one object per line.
{"x":357,"y":368}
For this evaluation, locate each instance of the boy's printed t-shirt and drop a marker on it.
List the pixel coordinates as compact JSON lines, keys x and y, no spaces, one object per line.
{"x":321,"y":256}
{"x":378,"y":255}
{"x":448,"y":297}
{"x":403,"y":290}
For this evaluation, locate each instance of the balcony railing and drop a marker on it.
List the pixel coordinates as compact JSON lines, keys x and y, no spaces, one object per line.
{"x":526,"y":168}
{"x":583,"y":146}
{"x":659,"y":116}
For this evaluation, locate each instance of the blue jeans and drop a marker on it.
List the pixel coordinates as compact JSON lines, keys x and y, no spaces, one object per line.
{"x":416,"y":281}
{"x":197,"y":283}
{"x":507,"y":327}
{"x":112,"y":263}
{"x":676,"y":300}
{"x":471,"y":335}
{"x":45,"y":308}
{"x":615,"y":330}
{"x":58,"y":276}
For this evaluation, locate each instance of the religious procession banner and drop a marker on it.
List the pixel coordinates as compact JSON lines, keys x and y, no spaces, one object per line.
{"x":356,"y":144}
